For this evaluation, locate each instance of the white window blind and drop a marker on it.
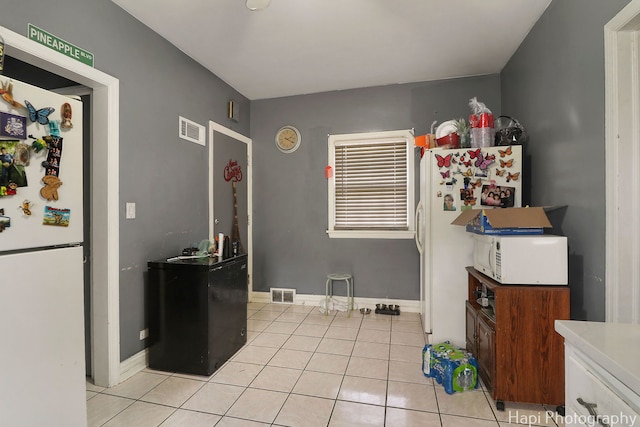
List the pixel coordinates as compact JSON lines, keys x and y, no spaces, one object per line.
{"x":372,"y":185}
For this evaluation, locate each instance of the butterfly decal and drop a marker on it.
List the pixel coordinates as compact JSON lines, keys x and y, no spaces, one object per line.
{"x":513,"y":176}
{"x":465,"y":162}
{"x":444,"y":161}
{"x":445,"y":174}
{"x":500,"y":172}
{"x":506,"y":164}
{"x":476,"y":184}
{"x":468,"y":173}
{"x":481,"y":162}
{"x":506,"y":152}
{"x":474,"y":153}
{"x":41,"y":115}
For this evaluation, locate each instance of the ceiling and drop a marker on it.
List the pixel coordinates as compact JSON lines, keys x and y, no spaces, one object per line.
{"x":306,"y":46}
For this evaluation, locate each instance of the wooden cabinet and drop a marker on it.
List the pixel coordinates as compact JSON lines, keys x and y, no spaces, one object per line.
{"x":520,"y":356}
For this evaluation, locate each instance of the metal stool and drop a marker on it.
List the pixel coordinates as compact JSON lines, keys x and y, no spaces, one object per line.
{"x":329,"y":290}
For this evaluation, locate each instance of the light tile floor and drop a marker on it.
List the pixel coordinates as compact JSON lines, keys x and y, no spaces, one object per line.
{"x":301,"y":368}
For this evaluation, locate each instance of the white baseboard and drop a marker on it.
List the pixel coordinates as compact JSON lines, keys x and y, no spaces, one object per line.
{"x":133,"y":365}
{"x":408,"y":306}
{"x":140,"y":360}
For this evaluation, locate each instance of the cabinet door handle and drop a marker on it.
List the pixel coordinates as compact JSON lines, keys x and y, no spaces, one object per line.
{"x":591,"y":408}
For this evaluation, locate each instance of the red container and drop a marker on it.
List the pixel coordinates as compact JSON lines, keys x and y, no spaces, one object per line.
{"x":486,"y":120}
{"x":449,"y":141}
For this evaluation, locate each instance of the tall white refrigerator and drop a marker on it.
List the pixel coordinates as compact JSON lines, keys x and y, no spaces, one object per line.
{"x":42,"y":363}
{"x":452,"y":181}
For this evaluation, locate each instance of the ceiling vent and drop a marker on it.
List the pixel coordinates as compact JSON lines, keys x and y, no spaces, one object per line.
{"x":192,"y":131}
{"x":283,"y":296}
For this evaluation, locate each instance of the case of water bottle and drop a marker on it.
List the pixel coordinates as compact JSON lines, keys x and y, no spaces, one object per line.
{"x":454,"y":368}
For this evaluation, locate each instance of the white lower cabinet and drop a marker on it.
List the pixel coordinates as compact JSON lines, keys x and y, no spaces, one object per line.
{"x":599,"y":389}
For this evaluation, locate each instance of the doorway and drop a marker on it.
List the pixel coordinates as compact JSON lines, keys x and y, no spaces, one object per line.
{"x":622,"y":151}
{"x":225,"y":145}
{"x":104,"y":188}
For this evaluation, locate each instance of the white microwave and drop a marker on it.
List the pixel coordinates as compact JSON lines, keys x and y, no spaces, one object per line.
{"x":522,"y":260}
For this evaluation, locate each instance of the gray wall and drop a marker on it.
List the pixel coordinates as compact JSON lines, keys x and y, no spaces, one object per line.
{"x":165,"y":176}
{"x":554,"y":84}
{"x":291,"y":247}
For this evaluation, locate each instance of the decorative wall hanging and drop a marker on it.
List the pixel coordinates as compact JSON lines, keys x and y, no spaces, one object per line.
{"x":56,"y":216}
{"x":233,"y":171}
{"x":13,"y":126}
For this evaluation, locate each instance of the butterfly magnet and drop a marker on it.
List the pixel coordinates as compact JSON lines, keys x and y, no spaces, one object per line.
{"x":41,"y":116}
{"x":506,"y":164}
{"x":444,"y":161}
{"x":481,"y":161}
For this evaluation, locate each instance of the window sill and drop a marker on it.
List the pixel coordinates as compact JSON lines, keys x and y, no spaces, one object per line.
{"x":368,"y":234}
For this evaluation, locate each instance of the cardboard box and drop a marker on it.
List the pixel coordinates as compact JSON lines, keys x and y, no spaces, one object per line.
{"x":505,"y":221}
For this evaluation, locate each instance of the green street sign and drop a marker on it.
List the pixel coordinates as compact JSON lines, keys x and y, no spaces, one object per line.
{"x":52,"y":42}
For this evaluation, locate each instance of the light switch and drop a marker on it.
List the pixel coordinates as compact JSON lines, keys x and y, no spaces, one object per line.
{"x":131,"y":211}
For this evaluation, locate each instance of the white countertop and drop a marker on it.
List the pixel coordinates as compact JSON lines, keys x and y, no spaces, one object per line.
{"x":615,"y":346}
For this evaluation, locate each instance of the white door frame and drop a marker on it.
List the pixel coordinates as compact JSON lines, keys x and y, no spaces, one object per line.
{"x":105,"y":310}
{"x":622,"y":152}
{"x":217,"y":127}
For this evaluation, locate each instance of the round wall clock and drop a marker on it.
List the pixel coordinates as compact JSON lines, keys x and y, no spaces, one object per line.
{"x":288,"y":139}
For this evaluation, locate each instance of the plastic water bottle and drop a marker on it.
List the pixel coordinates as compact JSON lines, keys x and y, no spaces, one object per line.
{"x":466,"y":380}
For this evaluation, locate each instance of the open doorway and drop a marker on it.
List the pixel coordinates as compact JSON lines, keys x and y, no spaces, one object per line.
{"x":19,"y":70}
{"x":104,"y":189}
{"x":622,"y":150}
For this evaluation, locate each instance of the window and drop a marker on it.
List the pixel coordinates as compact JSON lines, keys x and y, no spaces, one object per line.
{"x":371,"y":189}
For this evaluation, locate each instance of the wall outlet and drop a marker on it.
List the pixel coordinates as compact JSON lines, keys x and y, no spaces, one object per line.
{"x":144,"y":334}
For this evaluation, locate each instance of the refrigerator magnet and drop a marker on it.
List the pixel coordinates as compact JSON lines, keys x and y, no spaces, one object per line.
{"x":26,"y":207}
{"x":50,"y":189}
{"x":54,"y":129}
{"x":13,"y":126}
{"x":5,"y":221}
{"x":448,"y":204}
{"x":11,"y":189}
{"x":56,"y":216}
{"x":66,"y":116}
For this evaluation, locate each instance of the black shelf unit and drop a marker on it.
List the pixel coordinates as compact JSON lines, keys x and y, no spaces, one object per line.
{"x":197,"y":313}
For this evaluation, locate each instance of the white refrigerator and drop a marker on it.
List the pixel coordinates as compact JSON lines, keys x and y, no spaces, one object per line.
{"x":452,"y":181}
{"x":42,"y":363}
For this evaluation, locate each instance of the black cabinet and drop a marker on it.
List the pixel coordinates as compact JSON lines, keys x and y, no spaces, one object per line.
{"x":197,"y":313}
